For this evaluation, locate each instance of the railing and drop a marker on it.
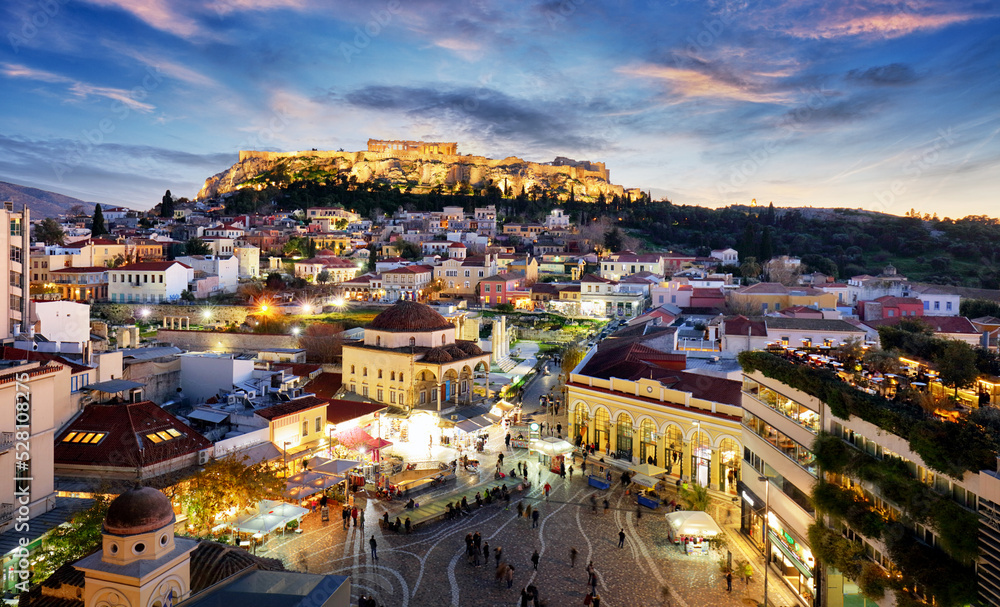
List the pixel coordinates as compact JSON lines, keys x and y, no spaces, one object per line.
{"x":6,"y":441}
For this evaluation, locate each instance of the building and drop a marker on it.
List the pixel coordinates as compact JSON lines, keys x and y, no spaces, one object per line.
{"x":936,"y":301}
{"x":149,"y":282}
{"x":81,"y":284}
{"x":728,"y":256}
{"x":407,"y":282}
{"x":557,"y":220}
{"x":741,"y":333}
{"x":890,"y":306}
{"x":504,"y":288}
{"x":410,"y":358}
{"x":205,"y":375}
{"x":226,"y":268}
{"x":634,"y":400}
{"x":296,"y":426}
{"x":529,"y":231}
{"x":618,"y":265}
{"x":337,"y":269}
{"x":764,"y":297}
{"x":949,"y":327}
{"x":16,"y":241}
{"x":248,"y":258}
{"x":603,"y":298}
{"x":889,"y":520}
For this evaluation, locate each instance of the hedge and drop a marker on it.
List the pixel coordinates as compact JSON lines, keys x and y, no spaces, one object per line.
{"x":932,"y":439}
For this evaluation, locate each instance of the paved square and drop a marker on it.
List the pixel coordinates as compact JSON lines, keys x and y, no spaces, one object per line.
{"x":430,"y":567}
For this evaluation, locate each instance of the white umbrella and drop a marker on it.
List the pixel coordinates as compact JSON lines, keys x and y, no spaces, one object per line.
{"x":692,"y":522}
{"x":649,"y":470}
{"x":550,"y":446}
{"x":336,"y":466}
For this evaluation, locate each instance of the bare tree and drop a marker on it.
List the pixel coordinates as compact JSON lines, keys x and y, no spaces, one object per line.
{"x":740,"y":305}
{"x":778,"y":270}
{"x":322,"y":342}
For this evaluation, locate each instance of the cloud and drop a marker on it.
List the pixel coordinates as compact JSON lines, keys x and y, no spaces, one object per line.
{"x":170,"y":68}
{"x":79,"y":89}
{"x":164,"y":15}
{"x":694,"y":83}
{"x":883,"y":26}
{"x":486,"y":113}
{"x":891,"y":74}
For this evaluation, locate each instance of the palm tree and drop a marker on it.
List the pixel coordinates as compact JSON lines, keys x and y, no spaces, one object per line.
{"x":695,"y":497}
{"x":750,"y":268}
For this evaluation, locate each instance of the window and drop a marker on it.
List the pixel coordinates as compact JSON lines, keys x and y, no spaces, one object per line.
{"x":161,"y":279}
{"x":364,"y":372}
{"x":392,"y":396}
{"x":927,"y":305}
{"x":947,"y":306}
{"x":378,"y":340}
{"x":400,"y":377}
{"x":89,"y":438}
{"x":364,"y":390}
{"x":937,"y":305}
{"x":486,"y":288}
{"x":763,"y":306}
{"x":467,"y":273}
{"x":413,"y":341}
{"x":352,"y":369}
{"x":378,"y":395}
{"x":145,"y":278}
{"x":305,"y":427}
{"x":319,"y":423}
{"x":892,"y":313}
{"x":380,"y":373}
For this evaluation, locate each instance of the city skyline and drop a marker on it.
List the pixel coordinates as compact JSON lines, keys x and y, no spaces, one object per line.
{"x":885,"y":107}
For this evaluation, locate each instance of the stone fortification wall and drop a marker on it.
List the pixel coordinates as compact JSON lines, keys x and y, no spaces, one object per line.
{"x":217,"y":341}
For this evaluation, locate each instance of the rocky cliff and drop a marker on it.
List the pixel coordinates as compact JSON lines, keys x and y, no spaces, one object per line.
{"x":419,"y":172}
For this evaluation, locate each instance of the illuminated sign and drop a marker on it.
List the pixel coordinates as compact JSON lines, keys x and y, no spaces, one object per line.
{"x":749,"y":500}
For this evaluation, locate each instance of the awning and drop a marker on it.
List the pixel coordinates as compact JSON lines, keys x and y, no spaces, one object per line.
{"x":550,"y":446}
{"x":468,"y":425}
{"x":213,"y":417}
{"x":644,"y":481}
{"x":791,"y":556}
{"x":692,"y":522}
{"x":503,"y":406}
{"x":270,"y":516}
{"x":649,"y":470}
{"x":113,"y":386}
{"x":263,"y":452}
{"x":336,"y":466}
{"x":355,"y":438}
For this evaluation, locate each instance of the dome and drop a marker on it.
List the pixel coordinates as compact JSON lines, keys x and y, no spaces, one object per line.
{"x":139,"y":511}
{"x":437,"y":355}
{"x":468,"y":347}
{"x":409,"y":317}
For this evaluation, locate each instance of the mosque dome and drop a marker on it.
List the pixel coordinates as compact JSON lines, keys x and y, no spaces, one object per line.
{"x":409,"y":317}
{"x":138,"y":511}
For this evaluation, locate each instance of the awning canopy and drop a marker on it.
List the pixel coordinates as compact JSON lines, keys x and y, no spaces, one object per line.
{"x":503,"y":406}
{"x":649,"y":470}
{"x":113,"y":386}
{"x":335,"y":466}
{"x":270,"y":515}
{"x":356,"y":438}
{"x":550,"y":446}
{"x":213,"y":417}
{"x":644,"y":481}
{"x":692,"y":522}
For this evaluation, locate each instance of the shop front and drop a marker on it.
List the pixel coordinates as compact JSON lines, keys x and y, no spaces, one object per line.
{"x":701,"y":458}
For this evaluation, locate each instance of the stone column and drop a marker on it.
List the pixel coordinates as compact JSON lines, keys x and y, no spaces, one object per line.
{"x":714,"y":480}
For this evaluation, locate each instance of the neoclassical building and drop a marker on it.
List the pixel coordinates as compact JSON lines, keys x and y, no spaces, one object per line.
{"x":410,"y":358}
{"x":636,"y":402}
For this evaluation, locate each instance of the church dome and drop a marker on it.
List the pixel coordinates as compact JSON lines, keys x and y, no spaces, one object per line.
{"x":409,"y":317}
{"x":139,"y":511}
{"x":469,"y":348}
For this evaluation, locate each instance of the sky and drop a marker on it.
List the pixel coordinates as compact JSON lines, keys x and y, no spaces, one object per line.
{"x":867,"y":104}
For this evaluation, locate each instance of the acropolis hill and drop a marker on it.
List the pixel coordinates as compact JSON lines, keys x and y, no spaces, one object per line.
{"x":418,"y":165}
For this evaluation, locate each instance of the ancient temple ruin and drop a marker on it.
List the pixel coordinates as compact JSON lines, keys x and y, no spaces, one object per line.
{"x":422,"y":147}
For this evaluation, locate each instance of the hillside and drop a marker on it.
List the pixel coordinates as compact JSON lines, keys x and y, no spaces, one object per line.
{"x":40,"y":202}
{"x":414,"y":172}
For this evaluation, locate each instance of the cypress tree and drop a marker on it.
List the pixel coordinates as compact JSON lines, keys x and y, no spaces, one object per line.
{"x":97,"y":228}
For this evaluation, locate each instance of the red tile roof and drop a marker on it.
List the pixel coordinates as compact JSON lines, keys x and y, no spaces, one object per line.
{"x":340,"y":411}
{"x":939,"y":324}
{"x":84,"y":270}
{"x":326,"y":385}
{"x":293,"y":406}
{"x":126,"y":444}
{"x":152,"y":266}
{"x":9,"y":353}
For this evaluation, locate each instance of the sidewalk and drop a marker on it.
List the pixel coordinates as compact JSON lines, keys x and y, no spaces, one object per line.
{"x":778,"y":594}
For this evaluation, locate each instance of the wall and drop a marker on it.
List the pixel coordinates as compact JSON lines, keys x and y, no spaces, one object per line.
{"x":63,"y":320}
{"x":203,"y":376}
{"x":161,"y":378}
{"x":126,"y":313}
{"x":225,"y":342}
{"x":237,"y":443}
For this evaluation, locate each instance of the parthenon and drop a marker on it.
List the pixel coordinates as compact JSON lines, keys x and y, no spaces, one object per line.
{"x":423,"y":147}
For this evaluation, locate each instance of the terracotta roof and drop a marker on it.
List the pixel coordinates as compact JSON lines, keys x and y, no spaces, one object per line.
{"x":594,"y":278}
{"x":939,"y":324}
{"x":138,"y":511}
{"x":9,"y":353}
{"x":302,"y":403}
{"x":456,"y":245}
{"x":340,"y":411}
{"x":418,"y":269}
{"x":126,"y":443}
{"x":152,"y":266}
{"x":409,"y":316}
{"x":325,"y":385}
{"x":741,"y":325}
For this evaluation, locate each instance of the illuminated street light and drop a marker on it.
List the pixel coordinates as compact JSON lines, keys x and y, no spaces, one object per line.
{"x":296,"y":330}
{"x":144,"y":312}
{"x":206,"y":314}
{"x":307,"y":309}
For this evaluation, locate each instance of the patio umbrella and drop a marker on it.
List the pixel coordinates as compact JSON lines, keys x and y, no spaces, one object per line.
{"x":692,"y":522}
{"x":336,"y":466}
{"x":649,"y":470}
{"x":550,"y":446}
{"x":644,"y":481}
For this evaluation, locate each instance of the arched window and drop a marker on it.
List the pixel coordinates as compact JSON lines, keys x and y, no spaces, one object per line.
{"x":442,"y":339}
{"x":647,"y":445}
{"x":413,"y":341}
{"x":601,"y":420}
{"x":392,"y":375}
{"x":378,"y":340}
{"x":364,"y":372}
{"x":380,"y":373}
{"x":624,"y":442}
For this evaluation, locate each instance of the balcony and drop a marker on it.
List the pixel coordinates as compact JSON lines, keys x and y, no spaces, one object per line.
{"x":6,"y":441}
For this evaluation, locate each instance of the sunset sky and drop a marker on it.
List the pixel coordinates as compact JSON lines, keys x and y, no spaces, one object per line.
{"x":875,"y":105}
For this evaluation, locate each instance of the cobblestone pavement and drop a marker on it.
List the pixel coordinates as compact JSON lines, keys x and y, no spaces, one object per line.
{"x":429,"y":566}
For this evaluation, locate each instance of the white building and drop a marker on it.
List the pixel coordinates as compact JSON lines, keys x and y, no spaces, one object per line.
{"x":249,"y":261}
{"x":226,"y":268}
{"x":149,"y":282}
{"x":557,"y":220}
{"x":937,"y":301}
{"x":726,"y":256}
{"x":16,"y":244}
{"x":203,"y":375}
{"x":62,"y":321}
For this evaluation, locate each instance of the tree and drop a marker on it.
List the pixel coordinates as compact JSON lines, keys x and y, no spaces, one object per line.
{"x":406,"y":249}
{"x":750,"y":268}
{"x":97,"y":227}
{"x":226,"y":483}
{"x":196,"y":246}
{"x":613,"y":240}
{"x":571,"y":357}
{"x":187,"y":295}
{"x":49,"y":231}
{"x":957,"y":365}
{"x":323,"y":277}
{"x":322,"y":342}
{"x":977,"y":308}
{"x":695,"y":497}
{"x":274,"y":282}
{"x":69,"y":543}
{"x":167,"y":205}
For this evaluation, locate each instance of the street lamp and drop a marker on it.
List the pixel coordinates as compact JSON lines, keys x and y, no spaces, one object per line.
{"x":767,"y":539}
{"x":284,"y":456}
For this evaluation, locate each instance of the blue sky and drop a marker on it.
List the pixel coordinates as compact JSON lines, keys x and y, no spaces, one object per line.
{"x":878,"y":105}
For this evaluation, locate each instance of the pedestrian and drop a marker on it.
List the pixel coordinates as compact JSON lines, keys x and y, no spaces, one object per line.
{"x":593,"y":503}
{"x":354,"y":515}
{"x":361,"y":520}
{"x":559,"y":429}
{"x":607,"y":505}
{"x":621,"y":538}
{"x":572,"y":557}
{"x":729,"y":581}
{"x":520,"y":510}
{"x":638,"y":512}
{"x":486,"y":553}
{"x":468,"y":544}
{"x":374,"y":546}
{"x":501,"y":574}
{"x":534,"y":518}
{"x":507,"y":440}
{"x":497,"y":554}
{"x":571,"y":472}
{"x":475,"y":556}
{"x":527,"y":511}
{"x":583,"y":465}
{"x":510,"y":577}
{"x":499,"y":459}
{"x":524,"y":597}
{"x":548,"y":488}
{"x":534,"y":559}
{"x":345,"y":514}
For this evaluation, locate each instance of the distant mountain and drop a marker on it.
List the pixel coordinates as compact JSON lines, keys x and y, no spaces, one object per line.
{"x":41,"y":203}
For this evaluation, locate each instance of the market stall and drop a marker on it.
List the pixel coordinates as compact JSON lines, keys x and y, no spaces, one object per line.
{"x":645,"y":490}
{"x":692,"y":529}
{"x":551,"y":451}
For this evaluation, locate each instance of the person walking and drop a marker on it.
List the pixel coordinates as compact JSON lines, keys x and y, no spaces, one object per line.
{"x":548,"y":488}
{"x":486,"y":553}
{"x":621,"y":538}
{"x":534,"y":518}
{"x":499,"y":460}
{"x":520,"y":510}
{"x":534,"y":559}
{"x":572,"y":557}
{"x":638,"y":512}
{"x":527,"y":511}
{"x":507,"y":440}
{"x":607,"y":505}
{"x":510,"y":577}
{"x":729,"y":581}
{"x":354,"y":515}
{"x":571,"y":472}
{"x":374,"y":546}
{"x":498,"y":554}
{"x":593,"y":503}
{"x":559,"y":429}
